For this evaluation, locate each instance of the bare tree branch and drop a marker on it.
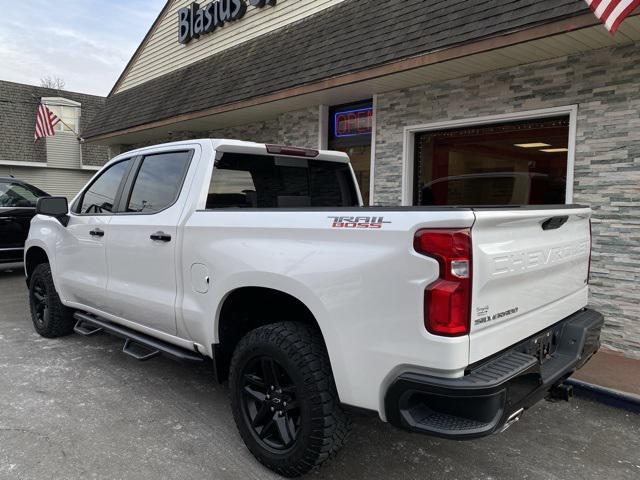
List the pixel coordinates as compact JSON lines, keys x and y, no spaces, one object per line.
{"x":54,"y":82}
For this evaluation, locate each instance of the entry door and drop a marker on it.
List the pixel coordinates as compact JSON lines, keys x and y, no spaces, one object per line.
{"x":141,"y":251}
{"x":80,"y":260}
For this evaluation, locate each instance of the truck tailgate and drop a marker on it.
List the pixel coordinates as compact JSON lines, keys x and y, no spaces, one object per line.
{"x":530,"y":270}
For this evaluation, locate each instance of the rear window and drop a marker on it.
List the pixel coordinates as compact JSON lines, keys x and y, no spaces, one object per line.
{"x":261,"y":181}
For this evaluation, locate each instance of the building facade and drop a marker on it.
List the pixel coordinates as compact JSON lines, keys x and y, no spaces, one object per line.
{"x":477,"y":102}
{"x":59,"y":165}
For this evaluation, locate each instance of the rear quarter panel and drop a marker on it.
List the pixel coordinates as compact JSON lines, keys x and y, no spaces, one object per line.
{"x":364,"y":286}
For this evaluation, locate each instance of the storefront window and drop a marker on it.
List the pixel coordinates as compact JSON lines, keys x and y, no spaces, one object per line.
{"x":517,"y":163}
{"x":350,"y":129}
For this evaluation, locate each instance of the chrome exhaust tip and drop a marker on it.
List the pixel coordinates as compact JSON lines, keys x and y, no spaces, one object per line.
{"x":513,"y":418}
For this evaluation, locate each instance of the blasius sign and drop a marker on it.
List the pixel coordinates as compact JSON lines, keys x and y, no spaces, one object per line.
{"x":194,"y":20}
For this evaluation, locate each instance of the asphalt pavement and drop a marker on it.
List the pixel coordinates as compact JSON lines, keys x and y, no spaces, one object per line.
{"x":78,"y":408}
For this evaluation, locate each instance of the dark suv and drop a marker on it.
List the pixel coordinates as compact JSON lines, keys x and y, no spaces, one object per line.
{"x":17,"y":208}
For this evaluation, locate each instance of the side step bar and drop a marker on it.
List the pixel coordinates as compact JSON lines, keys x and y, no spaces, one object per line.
{"x":138,"y":345}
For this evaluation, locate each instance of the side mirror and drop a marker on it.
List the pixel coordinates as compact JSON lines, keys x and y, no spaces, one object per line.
{"x":56,"y":207}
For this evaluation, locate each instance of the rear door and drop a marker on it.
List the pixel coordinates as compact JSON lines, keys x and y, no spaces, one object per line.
{"x":141,"y":251}
{"x":530,"y":270}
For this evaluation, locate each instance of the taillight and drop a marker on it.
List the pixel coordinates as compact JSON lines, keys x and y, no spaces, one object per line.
{"x":447,"y":301}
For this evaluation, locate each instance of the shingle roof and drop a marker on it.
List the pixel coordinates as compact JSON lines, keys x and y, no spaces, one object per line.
{"x":18,"y":104}
{"x":352,"y":36}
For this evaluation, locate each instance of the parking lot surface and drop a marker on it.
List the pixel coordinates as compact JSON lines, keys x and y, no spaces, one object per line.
{"x":77,"y":408}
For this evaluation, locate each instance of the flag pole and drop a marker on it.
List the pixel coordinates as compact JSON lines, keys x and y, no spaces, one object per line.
{"x":80,"y":139}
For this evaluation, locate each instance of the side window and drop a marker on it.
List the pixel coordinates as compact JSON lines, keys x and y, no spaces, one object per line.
{"x":16,"y":195}
{"x":158,"y":182}
{"x":101,"y":195}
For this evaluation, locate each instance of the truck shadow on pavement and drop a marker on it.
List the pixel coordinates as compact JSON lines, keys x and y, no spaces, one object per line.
{"x":75,"y":407}
{"x":12,"y":270}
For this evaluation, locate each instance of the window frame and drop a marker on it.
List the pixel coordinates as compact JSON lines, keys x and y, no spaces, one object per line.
{"x":116,"y":201}
{"x":353,"y":182}
{"x":53,"y":102}
{"x":132,"y":176}
{"x":326,"y":113}
{"x":410,"y":132}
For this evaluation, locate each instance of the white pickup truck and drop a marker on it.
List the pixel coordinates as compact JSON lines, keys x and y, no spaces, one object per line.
{"x":449,"y":321}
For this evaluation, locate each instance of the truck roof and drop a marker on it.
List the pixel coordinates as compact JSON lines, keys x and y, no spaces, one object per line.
{"x":252,"y":148}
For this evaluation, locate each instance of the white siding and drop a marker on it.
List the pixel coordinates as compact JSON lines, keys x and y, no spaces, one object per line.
{"x":163,"y":54}
{"x":63,"y":151}
{"x":54,"y":181}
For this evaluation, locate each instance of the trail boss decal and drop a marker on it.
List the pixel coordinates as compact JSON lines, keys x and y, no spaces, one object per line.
{"x":358,"y":222}
{"x":194,"y":21}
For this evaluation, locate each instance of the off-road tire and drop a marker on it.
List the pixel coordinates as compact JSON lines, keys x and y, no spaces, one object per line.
{"x":323,"y":425}
{"x":55,"y":320}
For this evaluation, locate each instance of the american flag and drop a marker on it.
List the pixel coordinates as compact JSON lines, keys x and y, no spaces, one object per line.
{"x":612,"y":12}
{"x":45,"y":121}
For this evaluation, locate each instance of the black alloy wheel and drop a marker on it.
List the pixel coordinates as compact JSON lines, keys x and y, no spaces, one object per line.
{"x":284,"y":398}
{"x":270,"y":403}
{"x":39,"y":302}
{"x":50,"y":317}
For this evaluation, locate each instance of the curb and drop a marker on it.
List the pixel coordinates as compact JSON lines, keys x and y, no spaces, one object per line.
{"x":608,"y":396}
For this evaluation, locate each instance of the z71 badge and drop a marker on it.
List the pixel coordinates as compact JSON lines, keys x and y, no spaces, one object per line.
{"x":358,"y":222}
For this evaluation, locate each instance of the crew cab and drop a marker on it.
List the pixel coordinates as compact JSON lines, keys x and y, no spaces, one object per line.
{"x":448,"y":321}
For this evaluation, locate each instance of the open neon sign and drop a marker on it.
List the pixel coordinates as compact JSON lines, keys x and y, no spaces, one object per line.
{"x":349,"y":123}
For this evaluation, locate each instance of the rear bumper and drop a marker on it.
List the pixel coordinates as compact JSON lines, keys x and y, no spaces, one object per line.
{"x":494,"y":392}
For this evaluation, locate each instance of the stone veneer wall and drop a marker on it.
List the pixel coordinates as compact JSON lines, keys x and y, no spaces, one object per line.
{"x":298,"y":128}
{"x":605,"y":84}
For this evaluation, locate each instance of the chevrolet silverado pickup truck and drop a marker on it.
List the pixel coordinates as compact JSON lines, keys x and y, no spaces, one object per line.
{"x":260,"y":260}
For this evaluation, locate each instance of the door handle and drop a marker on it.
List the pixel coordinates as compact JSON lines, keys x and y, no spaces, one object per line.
{"x":96,"y":232}
{"x":160,"y":237}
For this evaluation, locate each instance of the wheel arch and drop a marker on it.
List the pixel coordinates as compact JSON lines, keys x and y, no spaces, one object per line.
{"x":246,"y":308}
{"x":34,"y":256}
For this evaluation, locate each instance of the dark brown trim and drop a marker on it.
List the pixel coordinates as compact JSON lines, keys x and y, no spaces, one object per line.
{"x":486,"y":45}
{"x":143,"y":44}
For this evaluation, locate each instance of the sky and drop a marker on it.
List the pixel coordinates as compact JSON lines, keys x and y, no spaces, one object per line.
{"x":87,"y":43}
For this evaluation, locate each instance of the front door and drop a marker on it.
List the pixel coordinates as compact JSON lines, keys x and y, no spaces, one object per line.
{"x":17,"y":208}
{"x":141,"y":251}
{"x":14,"y":227}
{"x":80,"y":260}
